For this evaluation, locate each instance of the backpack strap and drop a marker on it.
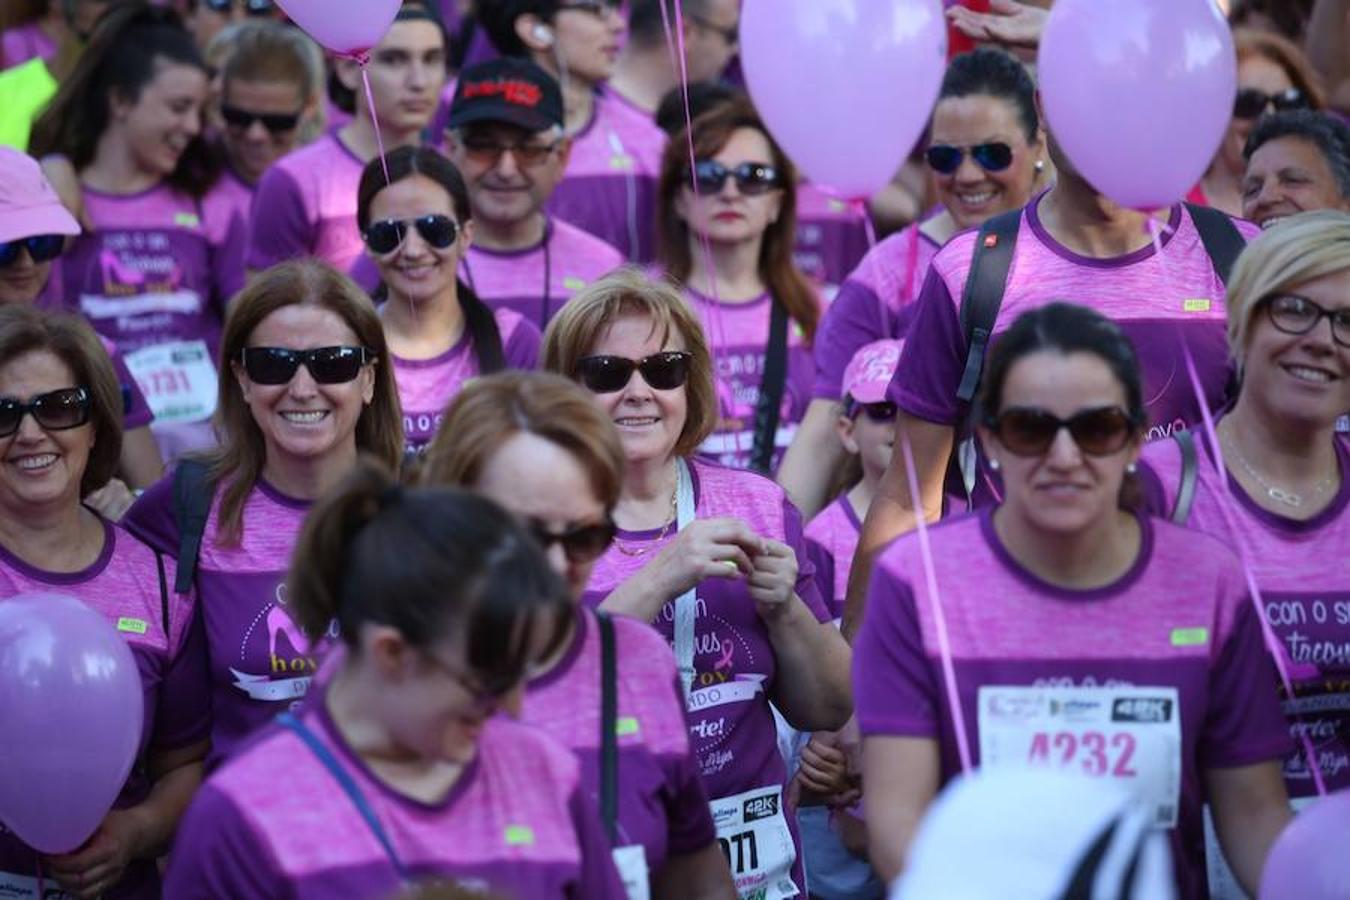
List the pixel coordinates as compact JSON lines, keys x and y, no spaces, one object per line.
{"x":1223,"y":242}
{"x":770,"y":402}
{"x":983,"y":294}
{"x":163,"y":593}
{"x":1190,"y":465}
{"x":609,"y":733}
{"x":192,"y":493}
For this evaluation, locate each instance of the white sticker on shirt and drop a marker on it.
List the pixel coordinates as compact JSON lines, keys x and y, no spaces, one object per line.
{"x":178,"y":379}
{"x":754,"y":836}
{"x":631,"y":861}
{"x":1129,"y":734}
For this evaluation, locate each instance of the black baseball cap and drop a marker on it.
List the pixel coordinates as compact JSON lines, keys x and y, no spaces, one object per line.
{"x":514,"y":91}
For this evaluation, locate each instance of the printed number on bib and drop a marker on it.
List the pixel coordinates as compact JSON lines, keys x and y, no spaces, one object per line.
{"x":753,"y":833}
{"x":631,"y":861}
{"x":178,"y":379}
{"x":1129,"y":734}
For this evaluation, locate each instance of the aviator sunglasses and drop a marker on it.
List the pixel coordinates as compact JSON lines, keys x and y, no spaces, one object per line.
{"x":388,"y":235}
{"x":1251,"y":103}
{"x":41,"y":248}
{"x":1026,"y":431}
{"x":945,"y":159}
{"x":663,"y":371}
{"x":752,"y":179}
{"x":581,"y":544}
{"x":54,"y":411}
{"x":326,"y":365}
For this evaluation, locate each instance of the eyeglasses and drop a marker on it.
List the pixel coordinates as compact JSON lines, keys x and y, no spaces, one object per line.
{"x":663,"y":371}
{"x":1027,"y":431}
{"x":1251,"y":103}
{"x":41,"y":248}
{"x":945,"y":159}
{"x":752,"y":179}
{"x":483,"y":698}
{"x":883,"y":411}
{"x":275,"y":123}
{"x":487,"y":152}
{"x":730,"y":35}
{"x":388,"y":235}
{"x":326,"y":365}
{"x":1293,"y":314}
{"x":251,"y":7}
{"x":581,"y":544}
{"x":53,"y":411}
{"x":597,"y":8}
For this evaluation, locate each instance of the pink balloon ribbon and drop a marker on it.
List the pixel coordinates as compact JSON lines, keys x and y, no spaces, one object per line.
{"x":362,"y":59}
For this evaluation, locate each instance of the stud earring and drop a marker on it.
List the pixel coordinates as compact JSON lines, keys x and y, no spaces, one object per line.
{"x":993,"y":464}
{"x":1132,"y":468}
{"x":1040,"y":165}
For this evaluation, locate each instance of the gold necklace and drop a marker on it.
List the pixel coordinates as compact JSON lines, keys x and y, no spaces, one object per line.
{"x":646,"y":547}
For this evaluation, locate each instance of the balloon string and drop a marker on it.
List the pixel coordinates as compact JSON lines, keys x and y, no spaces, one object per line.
{"x":363,"y":59}
{"x":1226,"y":504}
{"x":939,"y":619}
{"x":859,"y":206}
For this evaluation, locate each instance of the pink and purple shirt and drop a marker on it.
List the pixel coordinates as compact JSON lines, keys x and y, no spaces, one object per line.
{"x":19,"y":45}
{"x":123,"y":586}
{"x":1302,"y":570}
{"x":831,"y":238}
{"x":831,"y":541}
{"x":1174,"y":641}
{"x":274,"y":823}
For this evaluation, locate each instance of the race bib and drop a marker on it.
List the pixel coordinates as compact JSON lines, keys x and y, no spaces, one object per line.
{"x":21,"y":887}
{"x":753,"y":833}
{"x":178,"y":379}
{"x":631,"y":861}
{"x":1130,"y":734}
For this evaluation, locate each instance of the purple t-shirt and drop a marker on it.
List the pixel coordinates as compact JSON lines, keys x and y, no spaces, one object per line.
{"x":738,"y":338}
{"x":831,"y":541}
{"x":232,"y":199}
{"x":1173,"y":645}
{"x":610,"y":185}
{"x":1157,"y":302}
{"x":122,"y":585}
{"x":135,"y":411}
{"x":661,"y":802}
{"x":19,"y":45}
{"x":730,"y":723}
{"x":875,"y":303}
{"x":273,"y":822}
{"x":537,"y":281}
{"x":1302,"y":570}
{"x":831,"y":238}
{"x":260,"y":662}
{"x":426,"y":386}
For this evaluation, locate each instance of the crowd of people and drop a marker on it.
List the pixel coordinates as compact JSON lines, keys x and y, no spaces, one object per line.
{"x":514,"y":478}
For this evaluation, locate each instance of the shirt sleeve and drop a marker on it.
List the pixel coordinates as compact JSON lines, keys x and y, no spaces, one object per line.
{"x":598,"y":878}
{"x":279,"y":226}
{"x":135,"y":409}
{"x":893,"y":685}
{"x":183,"y":711}
{"x":687,"y":813}
{"x":227,"y":261}
{"x":929,"y":372}
{"x":808,"y":584}
{"x":823,"y":561}
{"x":855,"y":318}
{"x":217,"y":856}
{"x":151,"y":517}
{"x":522,"y":346}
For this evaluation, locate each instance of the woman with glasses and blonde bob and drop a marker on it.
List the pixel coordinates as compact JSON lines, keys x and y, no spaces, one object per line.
{"x":310,"y":387}
{"x":1073,"y":631}
{"x":714,"y":558}
{"x":537,"y":444}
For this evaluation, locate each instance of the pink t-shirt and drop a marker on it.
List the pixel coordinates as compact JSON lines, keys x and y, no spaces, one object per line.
{"x":273,"y":822}
{"x":661,"y":803}
{"x":123,"y":586}
{"x":536,"y":281}
{"x":1103,"y":663}
{"x":19,"y":45}
{"x":831,"y":541}
{"x":260,"y":663}
{"x":875,"y":303}
{"x":831,"y":238}
{"x":738,"y":337}
{"x":1303,"y":571}
{"x":426,"y":386}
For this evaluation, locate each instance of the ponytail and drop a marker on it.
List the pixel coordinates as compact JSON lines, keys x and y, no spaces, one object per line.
{"x":483,"y":331}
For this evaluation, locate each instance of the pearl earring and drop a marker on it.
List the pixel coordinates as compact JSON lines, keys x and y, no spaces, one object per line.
{"x":1040,"y":165}
{"x":1132,"y":468}
{"x":993,"y":464}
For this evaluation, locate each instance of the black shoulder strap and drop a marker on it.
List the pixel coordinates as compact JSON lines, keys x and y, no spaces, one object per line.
{"x":192,"y":494}
{"x":1223,"y":242}
{"x":609,"y":724}
{"x":1190,"y":465}
{"x":983,"y":294}
{"x":770,"y":390}
{"x":163,"y":593}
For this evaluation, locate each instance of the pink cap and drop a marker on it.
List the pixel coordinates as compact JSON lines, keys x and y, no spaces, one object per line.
{"x":869,"y":372}
{"x":28,"y":203}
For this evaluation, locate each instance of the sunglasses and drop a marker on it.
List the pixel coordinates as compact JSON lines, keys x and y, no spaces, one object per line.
{"x":752,"y":179}
{"x":388,"y":235}
{"x":487,"y":152}
{"x":597,"y":8}
{"x":275,"y":123}
{"x":53,"y":411}
{"x":1293,"y":314}
{"x":326,"y":365}
{"x":663,"y":371}
{"x":1030,"y":432}
{"x":252,"y":7}
{"x":41,"y":248}
{"x":946,"y":158}
{"x":1251,"y":103}
{"x":882,"y":411}
{"x":582,"y":544}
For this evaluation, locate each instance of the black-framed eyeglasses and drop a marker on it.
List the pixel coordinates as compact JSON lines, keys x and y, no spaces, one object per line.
{"x":1251,"y":103}
{"x":597,"y":8}
{"x":945,"y":159}
{"x":1293,"y":314}
{"x":275,"y":123}
{"x":57,"y":410}
{"x":881,"y":411}
{"x":484,"y":699}
{"x":41,"y":248}
{"x":1030,"y":431}
{"x":581,"y":543}
{"x":488,"y":152}
{"x":387,"y":235}
{"x":326,"y":365}
{"x":663,"y":371}
{"x":752,"y":178}
{"x":729,"y":34}
{"x":251,"y":7}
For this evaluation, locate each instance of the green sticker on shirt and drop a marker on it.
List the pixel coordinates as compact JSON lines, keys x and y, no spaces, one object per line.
{"x":519,"y":836}
{"x":135,"y":626}
{"x":1190,"y":637}
{"x":626,"y":725}
{"x":573,"y":283}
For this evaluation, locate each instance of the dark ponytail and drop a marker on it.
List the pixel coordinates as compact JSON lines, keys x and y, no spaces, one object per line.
{"x":483,"y":331}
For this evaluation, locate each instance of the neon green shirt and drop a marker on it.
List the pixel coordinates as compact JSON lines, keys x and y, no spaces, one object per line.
{"x":26,"y":89}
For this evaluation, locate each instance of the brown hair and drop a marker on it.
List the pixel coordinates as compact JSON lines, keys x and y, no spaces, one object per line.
{"x":627,"y":292}
{"x":269,"y":51}
{"x":491,"y":410}
{"x":238,"y":461}
{"x":711,"y":131}
{"x":1285,"y":54}
{"x":25,"y":329}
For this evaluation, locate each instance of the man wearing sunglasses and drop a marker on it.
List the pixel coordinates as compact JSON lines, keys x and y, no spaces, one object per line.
{"x":506,"y":137}
{"x":645,"y":72}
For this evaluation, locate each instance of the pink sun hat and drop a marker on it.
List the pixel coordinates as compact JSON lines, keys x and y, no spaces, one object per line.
{"x":28,"y":203}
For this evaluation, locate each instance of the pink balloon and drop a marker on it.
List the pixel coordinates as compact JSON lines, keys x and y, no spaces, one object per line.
{"x":1138,"y":93}
{"x":70,"y":719}
{"x":845,"y":86}
{"x":1309,"y":860}
{"x":347,"y":27}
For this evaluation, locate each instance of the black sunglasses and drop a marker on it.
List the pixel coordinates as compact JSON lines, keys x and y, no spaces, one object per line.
{"x":326,"y":365}
{"x":275,"y":123}
{"x":252,"y":7}
{"x":1027,"y":431}
{"x":1251,"y":103}
{"x":945,"y":159}
{"x":582,"y":544}
{"x":752,"y":179}
{"x":41,"y":248}
{"x":663,"y":371}
{"x":54,"y":410}
{"x":388,"y":235}
{"x":881,"y":411}
{"x":1293,"y":314}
